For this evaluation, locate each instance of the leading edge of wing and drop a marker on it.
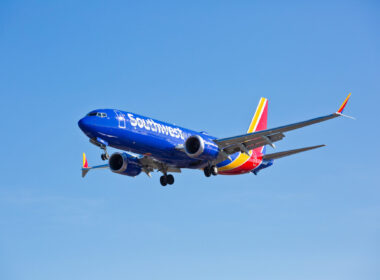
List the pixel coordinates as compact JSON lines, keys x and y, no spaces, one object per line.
{"x":225,"y":142}
{"x":245,"y":137}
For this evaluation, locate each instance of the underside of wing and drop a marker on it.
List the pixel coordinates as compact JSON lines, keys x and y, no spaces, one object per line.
{"x":150,"y":164}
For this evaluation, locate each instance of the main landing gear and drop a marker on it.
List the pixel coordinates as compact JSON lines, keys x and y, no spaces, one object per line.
{"x":167,"y":179}
{"x":210,"y":170}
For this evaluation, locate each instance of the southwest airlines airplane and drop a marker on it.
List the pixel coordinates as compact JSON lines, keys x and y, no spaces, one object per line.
{"x":150,"y":144}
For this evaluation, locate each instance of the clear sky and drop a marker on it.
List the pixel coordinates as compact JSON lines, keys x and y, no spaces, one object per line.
{"x":203,"y":65}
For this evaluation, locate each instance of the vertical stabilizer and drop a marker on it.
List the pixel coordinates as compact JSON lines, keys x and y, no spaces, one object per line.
{"x":247,"y":160}
{"x":259,"y":120}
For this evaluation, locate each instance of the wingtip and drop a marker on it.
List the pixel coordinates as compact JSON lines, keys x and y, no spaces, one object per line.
{"x":317,"y":146}
{"x":340,"y":110}
{"x":84,"y":172}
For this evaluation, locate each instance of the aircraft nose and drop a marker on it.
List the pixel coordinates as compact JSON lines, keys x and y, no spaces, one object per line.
{"x":84,"y":124}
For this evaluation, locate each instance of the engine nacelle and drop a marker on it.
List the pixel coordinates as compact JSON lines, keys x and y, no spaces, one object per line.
{"x":124,"y":164}
{"x":200,"y":147}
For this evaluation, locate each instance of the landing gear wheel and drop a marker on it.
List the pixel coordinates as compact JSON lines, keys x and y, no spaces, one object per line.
{"x":207,"y":171}
{"x":164,"y":180}
{"x":170,"y":179}
{"x":214,"y":170}
{"x":104,"y":156}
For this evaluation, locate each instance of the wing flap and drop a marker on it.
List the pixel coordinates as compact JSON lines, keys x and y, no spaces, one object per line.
{"x":149,"y":164}
{"x":253,"y":143}
{"x":289,"y":152}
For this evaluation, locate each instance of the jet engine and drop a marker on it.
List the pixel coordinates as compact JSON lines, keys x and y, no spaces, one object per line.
{"x":200,"y":147}
{"x":124,"y":164}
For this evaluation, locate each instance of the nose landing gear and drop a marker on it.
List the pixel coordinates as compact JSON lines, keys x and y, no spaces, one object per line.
{"x":105,"y":155}
{"x":102,"y":145}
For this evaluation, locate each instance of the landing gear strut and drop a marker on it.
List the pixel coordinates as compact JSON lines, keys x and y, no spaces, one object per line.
{"x":105,"y":155}
{"x":210,"y":170}
{"x":102,"y":145}
{"x":167,"y":180}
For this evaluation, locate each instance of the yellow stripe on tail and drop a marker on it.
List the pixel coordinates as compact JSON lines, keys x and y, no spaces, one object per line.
{"x":85,"y":163}
{"x":256,"y":117}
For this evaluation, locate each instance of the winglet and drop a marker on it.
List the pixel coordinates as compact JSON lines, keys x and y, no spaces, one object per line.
{"x":85,"y":163}
{"x":340,"y":111}
{"x":85,"y":168}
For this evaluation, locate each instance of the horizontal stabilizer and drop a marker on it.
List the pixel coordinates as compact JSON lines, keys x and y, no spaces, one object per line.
{"x":290,"y":152}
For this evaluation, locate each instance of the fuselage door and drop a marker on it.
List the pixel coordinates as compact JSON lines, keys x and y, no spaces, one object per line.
{"x":121,"y":118}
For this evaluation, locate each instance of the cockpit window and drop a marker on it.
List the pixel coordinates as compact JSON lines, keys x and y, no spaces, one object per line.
{"x":98,"y":114}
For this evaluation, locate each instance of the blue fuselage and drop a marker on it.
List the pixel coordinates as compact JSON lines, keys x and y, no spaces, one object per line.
{"x":142,"y":135}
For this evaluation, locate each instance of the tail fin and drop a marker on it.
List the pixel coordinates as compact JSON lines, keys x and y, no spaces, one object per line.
{"x":259,"y":120}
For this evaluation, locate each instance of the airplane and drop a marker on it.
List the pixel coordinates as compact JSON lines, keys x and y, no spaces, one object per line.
{"x":149,"y":145}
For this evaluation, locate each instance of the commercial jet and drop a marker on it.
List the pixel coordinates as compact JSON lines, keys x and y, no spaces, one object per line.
{"x":149,"y":145}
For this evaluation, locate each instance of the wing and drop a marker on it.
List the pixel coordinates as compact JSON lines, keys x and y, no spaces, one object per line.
{"x":148,"y":164}
{"x":246,"y":142}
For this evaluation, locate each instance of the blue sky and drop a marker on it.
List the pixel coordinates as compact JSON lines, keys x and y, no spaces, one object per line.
{"x":203,"y":65}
